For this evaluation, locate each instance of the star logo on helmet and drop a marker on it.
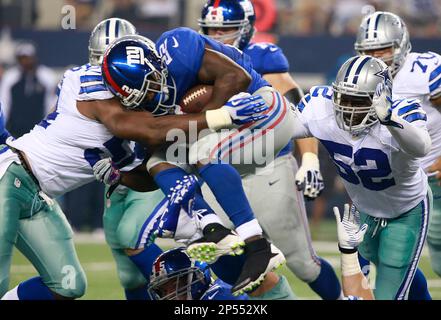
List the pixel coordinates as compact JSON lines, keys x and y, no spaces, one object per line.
{"x":385,"y":75}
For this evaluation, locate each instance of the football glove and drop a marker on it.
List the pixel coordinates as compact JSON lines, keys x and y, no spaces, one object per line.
{"x":106,"y":171}
{"x":382,"y":103}
{"x":240,"y":109}
{"x":244,"y":108}
{"x":308,"y":177}
{"x":350,"y":234}
{"x":178,"y":221}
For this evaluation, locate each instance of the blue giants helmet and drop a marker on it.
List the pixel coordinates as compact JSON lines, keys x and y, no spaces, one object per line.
{"x":175,"y":276}
{"x":133,"y":71}
{"x":229,"y":14}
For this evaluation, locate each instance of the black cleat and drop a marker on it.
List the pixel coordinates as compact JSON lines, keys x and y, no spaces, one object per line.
{"x":262,"y":257}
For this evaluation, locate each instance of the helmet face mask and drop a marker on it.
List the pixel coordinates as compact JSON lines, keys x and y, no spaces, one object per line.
{"x":353,"y":113}
{"x":176,"y":286}
{"x":382,"y":30}
{"x":175,"y":276}
{"x":135,"y":73}
{"x":353,"y":92}
{"x":229,"y":14}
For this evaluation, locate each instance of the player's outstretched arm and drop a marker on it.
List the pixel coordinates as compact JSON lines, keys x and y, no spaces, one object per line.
{"x":227,"y":77}
{"x":143,"y":127}
{"x":138,"y":126}
{"x":350,"y":235}
{"x":403,"y":118}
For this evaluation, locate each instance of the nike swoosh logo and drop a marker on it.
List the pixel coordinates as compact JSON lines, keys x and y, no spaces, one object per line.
{"x":210,"y":297}
{"x":274,"y":49}
{"x":176,"y":44}
{"x":273,"y":182}
{"x":235,"y":103}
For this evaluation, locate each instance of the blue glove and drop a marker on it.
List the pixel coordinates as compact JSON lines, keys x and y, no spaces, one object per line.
{"x":244,"y":108}
{"x":180,"y":197}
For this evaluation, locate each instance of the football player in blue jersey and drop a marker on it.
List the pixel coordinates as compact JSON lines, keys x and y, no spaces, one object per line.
{"x":59,"y":155}
{"x":4,"y":134}
{"x":176,"y":276}
{"x":232,"y":22}
{"x":139,"y":78}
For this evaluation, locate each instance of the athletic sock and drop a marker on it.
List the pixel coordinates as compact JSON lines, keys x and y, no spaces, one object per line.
{"x":327,"y":285}
{"x":418,"y":289}
{"x":32,"y":289}
{"x":229,"y":192}
{"x":137,"y":294}
{"x":144,"y":260}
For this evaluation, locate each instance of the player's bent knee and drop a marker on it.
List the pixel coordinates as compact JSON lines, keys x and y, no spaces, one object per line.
{"x":70,"y":287}
{"x":200,"y":151}
{"x":131,"y":280}
{"x":127,"y":235}
{"x":306,"y":270}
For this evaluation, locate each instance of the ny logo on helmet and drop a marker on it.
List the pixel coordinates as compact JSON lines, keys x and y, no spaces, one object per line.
{"x":135,"y":55}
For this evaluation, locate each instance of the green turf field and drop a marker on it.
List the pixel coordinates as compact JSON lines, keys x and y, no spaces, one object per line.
{"x":97,"y":261}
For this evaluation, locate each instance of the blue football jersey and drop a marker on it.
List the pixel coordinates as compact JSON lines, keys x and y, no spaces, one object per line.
{"x":220,"y":290}
{"x":269,"y":58}
{"x":183,"y":49}
{"x":4,"y":134}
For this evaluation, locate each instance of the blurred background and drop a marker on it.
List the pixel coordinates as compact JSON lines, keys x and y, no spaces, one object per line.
{"x":39,"y":39}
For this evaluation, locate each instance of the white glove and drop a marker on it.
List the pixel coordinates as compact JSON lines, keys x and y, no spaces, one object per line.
{"x":105,"y":171}
{"x":382,"y":103}
{"x":350,"y":234}
{"x":308,"y":177}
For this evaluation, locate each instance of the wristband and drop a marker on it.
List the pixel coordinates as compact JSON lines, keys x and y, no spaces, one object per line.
{"x":349,"y":264}
{"x":218,"y":119}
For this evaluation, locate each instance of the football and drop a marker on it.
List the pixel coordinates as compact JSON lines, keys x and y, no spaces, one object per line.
{"x":196,"y":98}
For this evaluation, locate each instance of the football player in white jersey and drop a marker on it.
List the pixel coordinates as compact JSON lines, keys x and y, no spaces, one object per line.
{"x":376,"y":144}
{"x":281,"y":213}
{"x":57,"y":156}
{"x":415,"y":75}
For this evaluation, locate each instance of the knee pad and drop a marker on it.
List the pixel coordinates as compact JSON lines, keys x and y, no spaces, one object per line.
{"x":127,"y":235}
{"x":70,"y":287}
{"x":131,"y":280}
{"x":306,"y":270}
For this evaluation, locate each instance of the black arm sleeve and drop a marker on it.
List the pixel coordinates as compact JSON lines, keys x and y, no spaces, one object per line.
{"x":294,"y":95}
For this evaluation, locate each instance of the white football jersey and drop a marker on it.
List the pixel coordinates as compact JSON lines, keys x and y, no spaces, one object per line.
{"x":381,"y":179}
{"x":63,"y":148}
{"x":420,"y":77}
